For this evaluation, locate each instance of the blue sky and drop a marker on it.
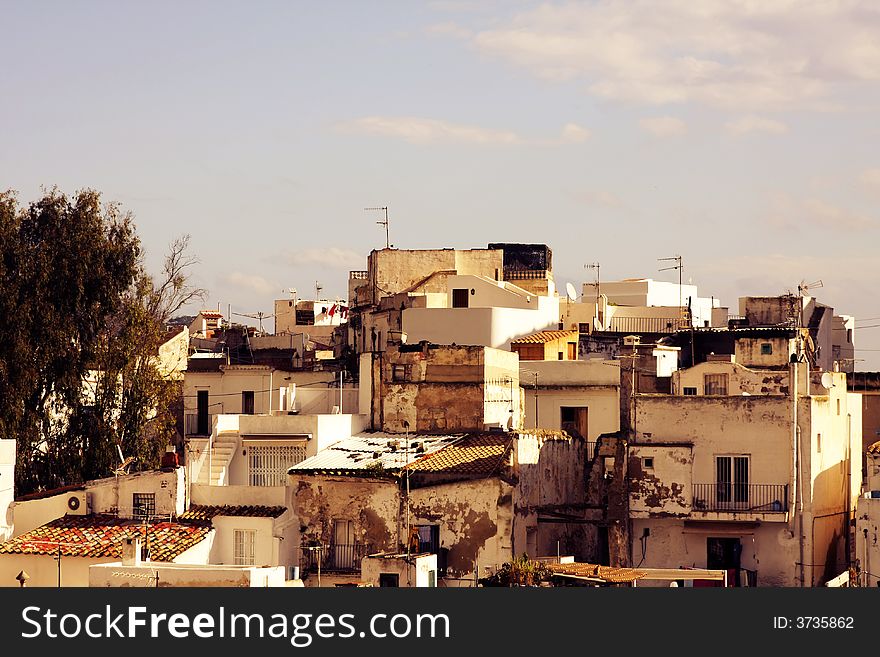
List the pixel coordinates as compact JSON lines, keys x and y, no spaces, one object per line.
{"x":741,"y":135}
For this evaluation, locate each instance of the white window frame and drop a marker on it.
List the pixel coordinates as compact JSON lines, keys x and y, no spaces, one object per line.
{"x":244,"y":544}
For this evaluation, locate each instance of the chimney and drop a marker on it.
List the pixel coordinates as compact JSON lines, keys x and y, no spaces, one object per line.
{"x":131,"y":551}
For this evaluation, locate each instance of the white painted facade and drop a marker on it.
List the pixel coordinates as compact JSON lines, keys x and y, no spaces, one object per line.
{"x":117,"y":574}
{"x":416,"y":571}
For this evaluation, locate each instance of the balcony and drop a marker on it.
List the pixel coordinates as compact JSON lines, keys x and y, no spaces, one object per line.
{"x":358,"y":275}
{"x":192,"y":426}
{"x":625,"y":324}
{"x":524,"y":274}
{"x":740,"y":501}
{"x":336,"y":557}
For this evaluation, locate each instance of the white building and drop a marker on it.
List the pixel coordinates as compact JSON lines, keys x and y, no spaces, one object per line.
{"x":7,"y":486}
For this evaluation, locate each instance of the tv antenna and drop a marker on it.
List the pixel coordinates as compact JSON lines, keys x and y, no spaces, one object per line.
{"x":595,"y":266}
{"x":383,"y":222}
{"x":318,"y":289}
{"x":803,"y":287}
{"x":680,"y":267}
{"x":259,"y":316}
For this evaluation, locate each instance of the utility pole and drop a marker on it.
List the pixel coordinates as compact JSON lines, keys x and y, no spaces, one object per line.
{"x":384,"y":222}
{"x":682,"y":314}
{"x":595,"y":266}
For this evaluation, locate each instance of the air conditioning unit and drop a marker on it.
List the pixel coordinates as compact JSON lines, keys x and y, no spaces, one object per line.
{"x":78,"y":504}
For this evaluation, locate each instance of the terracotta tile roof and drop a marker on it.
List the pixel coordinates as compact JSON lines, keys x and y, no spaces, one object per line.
{"x":874,"y":448}
{"x":475,"y":454}
{"x":542,"y":337}
{"x":607,"y":574}
{"x":210,"y":314}
{"x":205,"y":512}
{"x":100,"y":536}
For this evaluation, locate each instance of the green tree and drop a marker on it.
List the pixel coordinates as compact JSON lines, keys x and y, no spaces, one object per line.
{"x":76,"y":306}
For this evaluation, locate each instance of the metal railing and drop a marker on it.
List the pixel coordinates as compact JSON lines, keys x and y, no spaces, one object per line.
{"x":524,"y":274}
{"x":737,"y":497}
{"x":645,"y":324}
{"x":358,"y":275}
{"x":336,"y":557}
{"x":193,"y":428}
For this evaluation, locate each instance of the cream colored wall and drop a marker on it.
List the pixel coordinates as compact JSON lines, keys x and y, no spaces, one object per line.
{"x":767,"y":548}
{"x":266,"y":546}
{"x":490,"y":327}
{"x":594,"y":384}
{"x":184,"y":575}
{"x":723,"y":426}
{"x":740,"y":379}
{"x":43,"y":570}
{"x":172,"y":356}
{"x":235,"y":495}
{"x":488,"y":293}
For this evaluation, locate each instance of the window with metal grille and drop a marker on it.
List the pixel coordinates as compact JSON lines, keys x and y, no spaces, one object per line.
{"x":268,"y":464}
{"x":244,"y":549}
{"x":143,"y":505}
{"x":732,"y":479}
{"x":766,"y":349}
{"x":715,"y":384}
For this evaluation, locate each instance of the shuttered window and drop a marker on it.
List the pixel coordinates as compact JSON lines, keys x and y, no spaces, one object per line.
{"x":268,"y":464}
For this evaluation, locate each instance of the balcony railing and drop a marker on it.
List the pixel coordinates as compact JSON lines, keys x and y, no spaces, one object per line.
{"x":358,"y":275}
{"x":524,"y":274}
{"x":734,"y":497}
{"x":192,"y":426}
{"x":335,"y":557}
{"x":646,"y":324}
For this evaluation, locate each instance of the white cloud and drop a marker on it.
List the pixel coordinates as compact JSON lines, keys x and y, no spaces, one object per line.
{"x":754,"y":123}
{"x":417,"y":130}
{"x":330,"y":256}
{"x":788,"y":213}
{"x":250,"y":283}
{"x":573,"y":133}
{"x":870,"y":181}
{"x":732,"y":54}
{"x":663,"y":126}
{"x":423,"y":131}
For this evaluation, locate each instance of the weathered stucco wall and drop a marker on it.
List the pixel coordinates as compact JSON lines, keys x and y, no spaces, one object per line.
{"x":181,"y":575}
{"x":748,"y":351}
{"x":740,"y":379}
{"x":475,"y":519}
{"x":660,"y":480}
{"x":415,"y":574}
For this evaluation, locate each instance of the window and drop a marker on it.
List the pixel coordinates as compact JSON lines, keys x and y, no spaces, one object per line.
{"x":203,"y":420}
{"x":715,"y":384}
{"x":432,"y":578}
{"x":268,"y":464}
{"x":389,"y":580}
{"x":838,"y":407}
{"x":243,"y":550}
{"x":459,"y":298}
{"x":247,"y":402}
{"x":689,"y":391}
{"x":398,"y":373}
{"x":648,"y":463}
{"x":143,"y":505}
{"x":429,"y":538}
{"x":344,"y":550}
{"x":818,"y":442}
{"x":766,"y":349}
{"x":583,"y":327}
{"x":560,"y":356}
{"x":573,"y":420}
{"x":732,"y":481}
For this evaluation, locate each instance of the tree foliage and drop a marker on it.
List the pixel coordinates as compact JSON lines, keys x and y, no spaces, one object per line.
{"x":80,"y":327}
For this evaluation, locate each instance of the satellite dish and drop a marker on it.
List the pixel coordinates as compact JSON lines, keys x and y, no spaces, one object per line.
{"x":572,"y":293}
{"x":827,"y":380}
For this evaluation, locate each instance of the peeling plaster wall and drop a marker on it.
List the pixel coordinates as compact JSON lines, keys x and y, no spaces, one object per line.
{"x":475,"y":518}
{"x":867,"y":544}
{"x":665,"y":489}
{"x":372,"y":505}
{"x":740,"y":379}
{"x":748,"y":351}
{"x":448,"y":388}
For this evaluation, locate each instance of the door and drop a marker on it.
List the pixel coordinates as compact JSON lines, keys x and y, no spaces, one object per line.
{"x":343,"y":552}
{"x":573,"y":420}
{"x":725,"y":554}
{"x":732,"y":482}
{"x":247,"y":402}
{"x":389,"y":579}
{"x":459,"y":298}
{"x":202,"y":428}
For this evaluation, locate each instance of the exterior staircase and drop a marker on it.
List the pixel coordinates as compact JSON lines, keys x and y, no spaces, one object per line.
{"x":214,"y":470}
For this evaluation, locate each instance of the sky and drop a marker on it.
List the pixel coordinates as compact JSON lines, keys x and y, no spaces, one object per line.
{"x":739,"y":134}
